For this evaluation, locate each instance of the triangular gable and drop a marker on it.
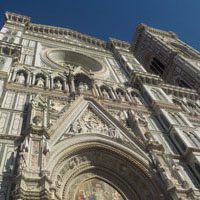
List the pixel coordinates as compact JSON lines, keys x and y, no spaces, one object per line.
{"x":86,"y":116}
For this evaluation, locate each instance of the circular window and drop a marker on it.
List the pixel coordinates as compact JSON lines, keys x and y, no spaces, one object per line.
{"x":66,"y":58}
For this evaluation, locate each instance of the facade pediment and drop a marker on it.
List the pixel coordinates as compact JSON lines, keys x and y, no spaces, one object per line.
{"x":91,"y":119}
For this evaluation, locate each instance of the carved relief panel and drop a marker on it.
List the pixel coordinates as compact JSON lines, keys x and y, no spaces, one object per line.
{"x":16,"y":124}
{"x":8,"y":100}
{"x":20,"y":102}
{"x":4,"y":117}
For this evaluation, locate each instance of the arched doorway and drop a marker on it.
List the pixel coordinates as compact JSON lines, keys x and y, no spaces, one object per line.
{"x":97,"y":169}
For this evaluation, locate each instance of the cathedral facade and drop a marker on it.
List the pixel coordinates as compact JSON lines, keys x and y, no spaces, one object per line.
{"x":87,"y":119}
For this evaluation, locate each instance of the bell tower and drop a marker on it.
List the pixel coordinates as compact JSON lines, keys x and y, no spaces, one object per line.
{"x":164,"y":54}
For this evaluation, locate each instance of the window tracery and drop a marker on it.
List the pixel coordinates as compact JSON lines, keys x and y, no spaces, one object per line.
{"x":157,"y":94}
{"x":177,"y":119}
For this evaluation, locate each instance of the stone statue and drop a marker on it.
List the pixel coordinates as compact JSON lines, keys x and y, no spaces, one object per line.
{"x":121,"y":96}
{"x":58,"y":85}
{"x":105,"y":94}
{"x":20,"y":78}
{"x":40,"y":82}
{"x":83,"y":86}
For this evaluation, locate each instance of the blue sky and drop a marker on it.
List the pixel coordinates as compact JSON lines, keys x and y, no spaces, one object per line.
{"x":113,"y":18}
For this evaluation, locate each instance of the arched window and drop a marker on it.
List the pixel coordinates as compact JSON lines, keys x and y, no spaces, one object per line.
{"x":5,"y":39}
{"x":157,"y":67}
{"x":8,"y":32}
{"x":11,"y":40}
{"x":177,"y":119}
{"x":105,"y":92}
{"x":40,"y":80}
{"x":136,"y":97}
{"x":82,"y":82}
{"x":121,"y":94}
{"x":58,"y":83}
{"x":180,"y":142}
{"x":14,"y":33}
{"x":183,"y":83}
{"x":193,"y":138}
{"x":158,"y":95}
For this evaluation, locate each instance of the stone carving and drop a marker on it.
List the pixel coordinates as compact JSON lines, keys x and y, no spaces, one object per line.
{"x":37,"y":120}
{"x":105,"y":94}
{"x":39,"y":111}
{"x":157,"y":94}
{"x":40,"y":82}
{"x":56,"y":106}
{"x":120,"y":116}
{"x":121,"y":96}
{"x":20,"y":78}
{"x":45,"y":146}
{"x":58,"y":85}
{"x":83,"y":87}
{"x":90,"y":123}
{"x":139,"y":118}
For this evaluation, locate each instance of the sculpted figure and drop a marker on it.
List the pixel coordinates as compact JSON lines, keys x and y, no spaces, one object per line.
{"x":58,"y":85}
{"x":121,"y":96}
{"x":20,"y":78}
{"x":105,"y":94}
{"x":83,"y":86}
{"x":40,"y":82}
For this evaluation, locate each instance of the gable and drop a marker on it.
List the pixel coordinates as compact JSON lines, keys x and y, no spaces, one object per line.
{"x":87,"y":117}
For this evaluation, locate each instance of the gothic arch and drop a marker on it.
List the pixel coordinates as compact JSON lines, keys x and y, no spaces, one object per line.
{"x":78,"y":159}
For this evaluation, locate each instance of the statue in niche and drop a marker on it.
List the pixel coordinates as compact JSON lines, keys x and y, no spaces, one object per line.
{"x":37,"y":120}
{"x":20,"y":78}
{"x":58,"y":85}
{"x":105,"y":93}
{"x":136,"y":98}
{"x":83,"y":86}
{"x":121,"y":96}
{"x":139,"y":118}
{"x":40,"y":82}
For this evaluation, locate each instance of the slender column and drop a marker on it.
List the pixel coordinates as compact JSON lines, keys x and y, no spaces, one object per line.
{"x":99,"y":91}
{"x":46,"y":82}
{"x":115,"y":94}
{"x":33,"y":79}
{"x":112,"y":94}
{"x":72,"y":84}
{"x":51,"y":82}
{"x":127,"y":97}
{"x":64,"y":85}
{"x":11,"y":75}
{"x":28,"y":79}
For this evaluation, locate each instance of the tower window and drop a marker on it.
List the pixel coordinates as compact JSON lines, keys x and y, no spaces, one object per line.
{"x":157,"y":67}
{"x":182,"y":83}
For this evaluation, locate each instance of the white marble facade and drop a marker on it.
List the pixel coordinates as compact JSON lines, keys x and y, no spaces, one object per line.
{"x":84,"y":118}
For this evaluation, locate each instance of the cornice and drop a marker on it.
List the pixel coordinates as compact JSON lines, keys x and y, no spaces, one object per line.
{"x":180,"y":91}
{"x":16,"y":19}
